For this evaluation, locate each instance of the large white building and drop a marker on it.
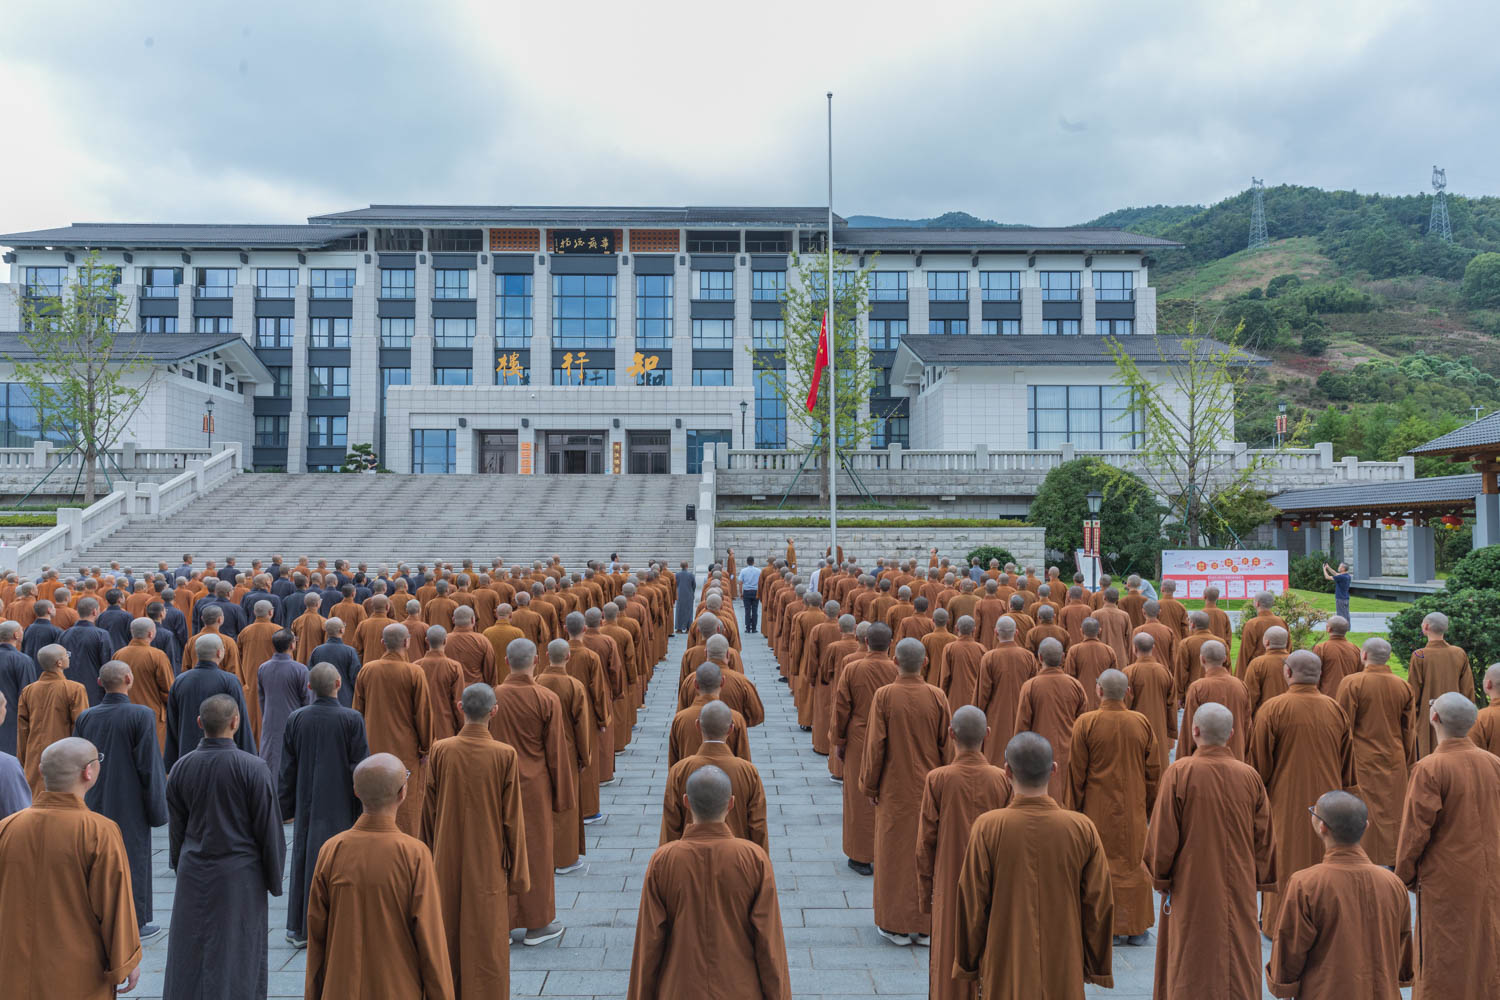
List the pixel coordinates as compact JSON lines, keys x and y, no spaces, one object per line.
{"x":595,"y":340}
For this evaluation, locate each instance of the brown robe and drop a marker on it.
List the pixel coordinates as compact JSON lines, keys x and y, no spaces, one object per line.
{"x":1002,"y":673}
{"x":1210,"y":838}
{"x":471,"y":819}
{"x":1218,"y":623}
{"x":747,"y":814}
{"x":1486,"y":732}
{"x":958,"y":674}
{"x":695,"y":656}
{"x":585,"y":666}
{"x":1447,"y":856}
{"x":308,"y":628}
{"x":1173,"y":614}
{"x":395,"y":700}
{"x":153,"y":678}
{"x":530,"y":719}
{"x":1133,"y":603}
{"x":907,"y":737}
{"x":1086,"y":659}
{"x":709,"y":917}
{"x":955,"y":796}
{"x":738,"y":692}
{"x":914,"y":626}
{"x":1152,"y":694}
{"x":499,"y":636}
{"x":1340,"y":659}
{"x":45,"y":713}
{"x":68,"y":914}
{"x":935,"y":642}
{"x":1035,"y":906}
{"x":568,"y":841}
{"x":375,"y":919}
{"x":1165,"y":649}
{"x":1265,"y":678}
{"x":1049,"y":704}
{"x":852,"y":698}
{"x":684,"y":739}
{"x":1225,"y":689}
{"x":1252,"y":639}
{"x":416,"y":639}
{"x":1435,"y":670}
{"x":1301,"y":748}
{"x":1382,"y":723}
{"x":1112,"y":777}
{"x":445,"y":691}
{"x":474,"y":652}
{"x":1345,"y":931}
{"x":1187,"y":663}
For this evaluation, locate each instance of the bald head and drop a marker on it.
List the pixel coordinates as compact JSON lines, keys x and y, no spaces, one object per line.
{"x":847,"y":624}
{"x":463,"y":616}
{"x":1304,"y":667}
{"x":574,"y":624}
{"x":1005,"y":628}
{"x":910,"y":655}
{"x":1214,"y":724}
{"x":69,"y":765}
{"x":557,"y":651}
{"x":879,"y":637}
{"x":714,"y":721}
{"x":379,"y":780}
{"x":1375,"y":650}
{"x":394,"y":637}
{"x":324,"y":680}
{"x":1050,"y":652}
{"x":969,"y":727}
{"x":520,"y":655}
{"x":1028,"y":755}
{"x":1276,"y":637}
{"x":1338,"y":625}
{"x":709,"y":678}
{"x":1453,"y":715}
{"x":114,"y":676}
{"x":1090,"y":627}
{"x":205,"y":647}
{"x":708,"y":794}
{"x":478,"y":702}
{"x":1213,"y":653}
{"x":218,"y":716}
{"x":1343,"y":816}
{"x":1199,"y":620}
{"x":1144,"y":643}
{"x":1113,"y":685}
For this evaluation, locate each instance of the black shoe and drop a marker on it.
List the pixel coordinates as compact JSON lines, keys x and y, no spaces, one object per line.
{"x":1119,"y":941}
{"x":867,"y":870}
{"x":805,"y":729}
{"x":782,"y":680}
{"x":1137,"y":940}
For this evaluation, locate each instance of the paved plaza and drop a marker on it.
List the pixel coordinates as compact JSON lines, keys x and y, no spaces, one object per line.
{"x":832,"y":946}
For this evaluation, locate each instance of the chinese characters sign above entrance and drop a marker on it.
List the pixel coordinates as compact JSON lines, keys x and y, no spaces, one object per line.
{"x":583,"y":241}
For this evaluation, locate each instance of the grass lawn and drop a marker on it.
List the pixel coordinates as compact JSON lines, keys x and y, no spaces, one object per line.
{"x":1321,"y":601}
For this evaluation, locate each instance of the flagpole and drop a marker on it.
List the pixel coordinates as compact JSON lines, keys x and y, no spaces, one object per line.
{"x":833,"y":465}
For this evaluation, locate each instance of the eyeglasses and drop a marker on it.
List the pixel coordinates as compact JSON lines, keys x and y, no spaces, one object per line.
{"x":99,"y":759}
{"x":1313,"y":812}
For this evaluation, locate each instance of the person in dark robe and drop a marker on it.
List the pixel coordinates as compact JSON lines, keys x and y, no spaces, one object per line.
{"x":687,"y":586}
{"x":15,"y":790}
{"x":16,"y":671}
{"x":190,"y":690}
{"x":132,"y":790}
{"x":343,"y":657}
{"x":89,"y":648}
{"x":319,"y":748}
{"x":226,"y":846}
{"x":171,"y":637}
{"x":282,"y":689}
{"x":41,"y":632}
{"x":115,"y":620}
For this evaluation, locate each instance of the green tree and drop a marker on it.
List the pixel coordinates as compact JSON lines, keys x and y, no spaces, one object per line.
{"x":85,"y":375}
{"x":1130,"y":524}
{"x":1481,"y":285}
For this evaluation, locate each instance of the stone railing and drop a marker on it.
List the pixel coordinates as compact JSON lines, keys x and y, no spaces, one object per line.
{"x":703,"y":545}
{"x":23,"y":468}
{"x":78,"y":528}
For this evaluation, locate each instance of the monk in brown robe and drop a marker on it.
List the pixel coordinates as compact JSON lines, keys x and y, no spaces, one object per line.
{"x":853,"y":696}
{"x":1003,"y":671}
{"x":1035,"y":904}
{"x":1113,"y":773}
{"x":737,"y":691}
{"x":1209,"y":850}
{"x":1446,"y":855}
{"x":392,"y":695}
{"x":693,"y":656}
{"x":1152,"y":694}
{"x":1345,"y":929}
{"x":1049,"y":704}
{"x":954,"y":796}
{"x":46,"y":712}
{"x":255,"y":648}
{"x":709,"y":923}
{"x":374,"y":917}
{"x":67,"y":917}
{"x":1046,"y":628}
{"x":568,"y":842}
{"x":823,"y":633}
{"x":1382,"y":723}
{"x":416,"y":633}
{"x":684,"y":739}
{"x":1265,"y":675}
{"x":1340,"y":659}
{"x":612,"y":662}
{"x":907,"y":736}
{"x":1187,"y":665}
{"x":308,"y":628}
{"x":935,"y":642}
{"x":1171,"y":611}
{"x":445,"y":685}
{"x":1251,"y":645}
{"x":439,"y":610}
{"x":530,"y":719}
{"x":1089,"y":657}
{"x":1301,"y":747}
{"x":585,"y":664}
{"x":958,"y":674}
{"x":1115,"y":626}
{"x":499,"y":636}
{"x":1218,"y":618}
{"x":1219,"y":686}
{"x":1486,"y":732}
{"x":1164,"y":649}
{"x":746,"y":817}
{"x":152,"y":671}
{"x":1435,"y":670}
{"x":471,"y":649}
{"x":471,"y":819}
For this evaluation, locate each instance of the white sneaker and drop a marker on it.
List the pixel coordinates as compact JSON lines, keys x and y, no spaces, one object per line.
{"x":596,"y":818}
{"x":921,"y":939}
{"x":899,"y":940}
{"x":542,"y":935}
{"x":568,"y":869}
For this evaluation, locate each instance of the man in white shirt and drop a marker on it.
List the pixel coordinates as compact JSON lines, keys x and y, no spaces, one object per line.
{"x":749,"y":582}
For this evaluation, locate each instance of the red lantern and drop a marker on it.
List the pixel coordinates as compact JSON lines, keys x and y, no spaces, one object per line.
{"x":1336,"y":523}
{"x":1296,"y":525}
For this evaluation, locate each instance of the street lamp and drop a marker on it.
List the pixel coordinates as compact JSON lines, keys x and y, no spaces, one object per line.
{"x":744,"y":407}
{"x":208,"y":422}
{"x":1095,"y":501}
{"x":1280,"y":423}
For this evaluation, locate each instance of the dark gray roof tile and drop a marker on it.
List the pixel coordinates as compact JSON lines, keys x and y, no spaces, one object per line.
{"x":992,"y":350}
{"x":1380,"y":496}
{"x":131,"y":234}
{"x":1482,"y":433}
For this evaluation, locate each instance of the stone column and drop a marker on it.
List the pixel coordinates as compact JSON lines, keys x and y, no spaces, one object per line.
{"x":624,"y":327}
{"x":421,"y":335}
{"x":1421,"y":553}
{"x":1031,"y":309}
{"x":364,"y":355}
{"x":296,"y":441}
{"x":484,"y":323}
{"x":1367,"y":550}
{"x":1145,"y":311}
{"x":1486,"y":520}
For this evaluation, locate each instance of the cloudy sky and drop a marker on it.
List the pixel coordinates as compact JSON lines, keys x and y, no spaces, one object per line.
{"x":1037,"y":113}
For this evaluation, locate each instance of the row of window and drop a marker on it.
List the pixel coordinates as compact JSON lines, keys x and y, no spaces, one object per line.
{"x":322,"y":431}
{"x":436,"y":451}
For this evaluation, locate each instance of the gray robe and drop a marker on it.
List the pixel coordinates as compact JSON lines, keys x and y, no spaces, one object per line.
{"x":189,"y":691}
{"x":15,"y":791}
{"x":345,"y":659}
{"x":687,"y":588}
{"x":281,"y":686}
{"x":16,"y":671}
{"x":89,"y":648}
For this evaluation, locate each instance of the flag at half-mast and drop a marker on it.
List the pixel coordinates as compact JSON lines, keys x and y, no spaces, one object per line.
{"x":819,"y":363}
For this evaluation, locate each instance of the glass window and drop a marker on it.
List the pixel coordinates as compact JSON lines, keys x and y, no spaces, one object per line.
{"x":275,"y":282}
{"x":886,"y":334}
{"x":398,"y":282}
{"x":322,"y":467}
{"x":880,"y":381}
{"x":1114,"y":327}
{"x":273,"y":331}
{"x":947,"y":286}
{"x":1002,"y":327}
{"x":158,"y":324}
{"x":770,"y":412}
{"x":20,"y":424}
{"x":1000,"y":286}
{"x":653,"y":311}
{"x":281,"y":381}
{"x":327,"y":432}
{"x":583,"y":310}
{"x":160,"y":282}
{"x":888,"y":286}
{"x":398,"y":239}
{"x":202,"y":372}
{"x":1099,"y":417}
{"x":451,"y":283}
{"x":1114,"y":286}
{"x":447,"y":332}
{"x":768,"y":286}
{"x":393,"y":376}
{"x":656,"y":376}
{"x":1059,"y":286}
{"x":713,"y":334}
{"x":453,"y":376}
{"x":817,"y":285}
{"x":396,"y":331}
{"x":1060,"y":327}
{"x":457,"y":240}
{"x":713,"y":376}
{"x":331,"y":282}
{"x":697,"y":441}
{"x":891,"y":430}
{"x":45,"y":281}
{"x":328,"y":382}
{"x":271,"y":432}
{"x":768,"y":334}
{"x":513,"y":310}
{"x":951,"y":327}
{"x":218,"y":377}
{"x":216,"y":282}
{"x":329,"y":331}
{"x":434,"y":451}
{"x":717,"y":285}
{"x":212,"y":324}
{"x":583,"y":376}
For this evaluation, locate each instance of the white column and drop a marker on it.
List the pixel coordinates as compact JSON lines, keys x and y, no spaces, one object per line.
{"x":743,"y":366}
{"x":421,"y":337}
{"x":296,"y":442}
{"x":682,"y":324}
{"x":1086,"y":294}
{"x":916,"y":302}
{"x":1145,"y":311}
{"x":624,"y":326}
{"x":1031,"y":308}
{"x":484,"y":323}
{"x":364,"y":354}
{"x":976,"y":303}
{"x":541,"y":321}
{"x":185,"y":301}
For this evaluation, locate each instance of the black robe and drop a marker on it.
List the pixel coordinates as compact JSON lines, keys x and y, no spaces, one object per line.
{"x":16,"y":671}
{"x":331,"y":597}
{"x":37,"y":635}
{"x":687,"y":586}
{"x":165,"y":640}
{"x":175,"y":621}
{"x":189,"y":691}
{"x":321,"y":745}
{"x":227,"y":847}
{"x":345,"y":659}
{"x":281,"y":587}
{"x":254,"y":597}
{"x":131,"y":789}
{"x":89,"y":648}
{"x":116,"y":621}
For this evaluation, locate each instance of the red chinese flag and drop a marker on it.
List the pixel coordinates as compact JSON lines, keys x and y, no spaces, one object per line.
{"x":819,"y":363}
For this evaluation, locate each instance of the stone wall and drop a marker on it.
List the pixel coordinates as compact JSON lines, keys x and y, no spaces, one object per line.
{"x":866,"y":544}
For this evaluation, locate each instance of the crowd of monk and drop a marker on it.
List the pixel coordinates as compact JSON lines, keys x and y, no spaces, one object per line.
{"x":1016,"y":778}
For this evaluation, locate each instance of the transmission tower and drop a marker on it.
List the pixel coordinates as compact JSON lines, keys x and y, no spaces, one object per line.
{"x":1258,"y":236}
{"x":1439,"y":226}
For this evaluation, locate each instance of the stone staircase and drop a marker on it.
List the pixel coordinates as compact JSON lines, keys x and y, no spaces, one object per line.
{"x":408,"y":518}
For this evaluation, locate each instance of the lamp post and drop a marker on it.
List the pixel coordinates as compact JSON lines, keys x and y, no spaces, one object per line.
{"x":208,"y":422}
{"x":744,"y":408}
{"x":1280,"y":423}
{"x":1095,"y":501}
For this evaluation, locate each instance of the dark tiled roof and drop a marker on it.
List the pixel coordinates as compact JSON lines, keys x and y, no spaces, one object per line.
{"x":991,"y":350}
{"x":1381,"y":496}
{"x":582,"y":215}
{"x":161,"y":348}
{"x":1013,"y":238}
{"x":1482,"y":433}
{"x":130,"y":234}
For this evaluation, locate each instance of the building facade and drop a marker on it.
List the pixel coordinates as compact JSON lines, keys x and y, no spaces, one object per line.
{"x":588,"y":340}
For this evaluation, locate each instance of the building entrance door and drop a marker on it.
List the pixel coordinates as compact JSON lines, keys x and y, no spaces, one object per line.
{"x":497,"y":452}
{"x":650,"y":453}
{"x":572,"y":453}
